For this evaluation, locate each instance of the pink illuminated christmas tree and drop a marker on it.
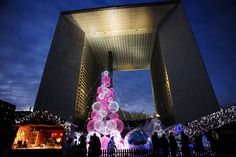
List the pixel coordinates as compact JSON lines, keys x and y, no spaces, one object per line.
{"x":105,"y":121}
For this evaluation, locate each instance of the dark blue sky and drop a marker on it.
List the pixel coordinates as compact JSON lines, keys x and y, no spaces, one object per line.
{"x":26,"y":32}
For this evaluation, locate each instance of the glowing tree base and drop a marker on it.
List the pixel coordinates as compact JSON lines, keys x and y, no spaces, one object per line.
{"x":105,"y":121}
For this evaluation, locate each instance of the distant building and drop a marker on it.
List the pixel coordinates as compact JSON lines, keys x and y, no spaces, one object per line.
{"x":7,"y":115}
{"x":7,"y":132}
{"x":154,"y":36}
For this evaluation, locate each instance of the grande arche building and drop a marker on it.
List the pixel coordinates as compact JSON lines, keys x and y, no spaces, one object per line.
{"x":153,"y":36}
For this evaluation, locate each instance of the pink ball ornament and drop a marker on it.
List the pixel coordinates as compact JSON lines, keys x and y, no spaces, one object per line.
{"x":112,"y":90}
{"x":113,"y":115}
{"x":105,"y":79}
{"x":90,"y":125}
{"x":104,"y":105}
{"x":108,"y":84}
{"x":97,"y":99}
{"x":119,"y":125}
{"x":99,"y":90}
{"x":94,"y":115}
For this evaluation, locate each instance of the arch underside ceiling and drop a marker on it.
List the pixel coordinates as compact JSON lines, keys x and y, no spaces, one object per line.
{"x":128,"y":32}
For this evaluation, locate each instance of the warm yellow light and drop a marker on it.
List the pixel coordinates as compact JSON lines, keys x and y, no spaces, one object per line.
{"x":58,"y":140}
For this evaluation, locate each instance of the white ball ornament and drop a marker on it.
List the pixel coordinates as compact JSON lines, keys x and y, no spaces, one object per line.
{"x":96,"y":106}
{"x":113,"y":106}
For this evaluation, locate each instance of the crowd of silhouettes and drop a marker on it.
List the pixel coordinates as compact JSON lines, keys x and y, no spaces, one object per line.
{"x":169,"y":147}
{"x":162,"y":146}
{"x":165,"y":147}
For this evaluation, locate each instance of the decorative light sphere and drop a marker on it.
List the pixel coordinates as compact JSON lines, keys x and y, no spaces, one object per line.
{"x":105,"y":131}
{"x":105,"y":90}
{"x":101,"y":96}
{"x":94,"y":115}
{"x":105,"y":79}
{"x":98,"y":125}
{"x":90,"y":126}
{"x":99,"y":90}
{"x":119,"y":125}
{"x":96,"y":106}
{"x":111,"y":125}
{"x":136,"y":139}
{"x":113,"y":106}
{"x":109,"y":99}
{"x":114,"y":115}
{"x":103,"y":113}
{"x":108,"y":84}
{"x":106,"y":73}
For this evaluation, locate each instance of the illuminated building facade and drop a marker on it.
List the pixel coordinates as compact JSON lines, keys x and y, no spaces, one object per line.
{"x":153,"y":36}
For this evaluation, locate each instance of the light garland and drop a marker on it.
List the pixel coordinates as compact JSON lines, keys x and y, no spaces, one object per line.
{"x":206,"y":123}
{"x":40,"y":117}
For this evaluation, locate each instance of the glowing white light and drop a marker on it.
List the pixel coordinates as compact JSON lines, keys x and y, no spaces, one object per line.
{"x":106,"y":73}
{"x":111,"y":125}
{"x":98,"y":125}
{"x":101,"y":96}
{"x":96,"y":106}
{"x":117,"y":136}
{"x":113,"y":106}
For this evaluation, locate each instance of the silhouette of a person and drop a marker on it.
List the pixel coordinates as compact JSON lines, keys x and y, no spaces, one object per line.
{"x":173,"y":144}
{"x":155,"y":141}
{"x":185,"y":145}
{"x":111,"y":147}
{"x":164,"y":145}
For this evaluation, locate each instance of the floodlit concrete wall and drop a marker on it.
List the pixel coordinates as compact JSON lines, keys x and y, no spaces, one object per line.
{"x":191,"y":91}
{"x":58,"y":88}
{"x":160,"y":86}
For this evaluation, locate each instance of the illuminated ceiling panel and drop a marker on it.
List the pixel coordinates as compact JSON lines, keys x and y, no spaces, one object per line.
{"x":129,"y":32}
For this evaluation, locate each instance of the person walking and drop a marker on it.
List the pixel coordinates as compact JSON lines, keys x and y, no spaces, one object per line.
{"x":173,"y":145}
{"x":82,"y":146}
{"x":185,"y":145}
{"x":164,"y":145}
{"x":94,"y":146}
{"x":155,"y":144}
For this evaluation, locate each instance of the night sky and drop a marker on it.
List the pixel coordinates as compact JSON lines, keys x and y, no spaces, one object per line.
{"x":27,"y":28}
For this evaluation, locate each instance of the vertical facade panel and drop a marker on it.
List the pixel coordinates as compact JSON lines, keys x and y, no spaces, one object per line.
{"x":191,"y":90}
{"x":58,"y":88}
{"x":160,"y":86}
